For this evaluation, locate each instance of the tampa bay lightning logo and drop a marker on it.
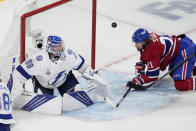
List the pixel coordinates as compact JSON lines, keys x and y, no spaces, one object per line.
{"x":58,"y":78}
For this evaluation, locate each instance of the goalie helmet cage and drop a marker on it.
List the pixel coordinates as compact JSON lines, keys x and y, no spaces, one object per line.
{"x":45,"y":8}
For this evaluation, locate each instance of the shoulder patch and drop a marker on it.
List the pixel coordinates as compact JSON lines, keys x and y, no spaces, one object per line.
{"x":29,"y":64}
{"x":39,"y":58}
{"x":69,"y":51}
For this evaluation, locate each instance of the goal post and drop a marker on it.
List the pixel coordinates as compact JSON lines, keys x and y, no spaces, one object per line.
{"x":23,"y":24}
{"x":50,"y":6}
{"x":93,"y":49}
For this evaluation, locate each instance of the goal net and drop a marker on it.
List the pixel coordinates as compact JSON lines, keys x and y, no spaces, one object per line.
{"x":72,"y":20}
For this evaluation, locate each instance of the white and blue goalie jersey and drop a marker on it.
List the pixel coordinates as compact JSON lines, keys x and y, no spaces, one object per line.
{"x":5,"y":105}
{"x":50,"y":74}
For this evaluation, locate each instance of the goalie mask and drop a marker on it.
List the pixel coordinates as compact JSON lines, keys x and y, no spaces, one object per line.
{"x":55,"y":46}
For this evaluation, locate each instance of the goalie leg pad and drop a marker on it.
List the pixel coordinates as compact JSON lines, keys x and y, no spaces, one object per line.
{"x":102,"y":86}
{"x":80,"y":99}
{"x":76,"y":100}
{"x":40,"y":103}
{"x":185,"y":85}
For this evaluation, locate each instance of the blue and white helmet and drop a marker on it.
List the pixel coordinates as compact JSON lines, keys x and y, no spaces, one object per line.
{"x":52,"y":42}
{"x":140,"y":35}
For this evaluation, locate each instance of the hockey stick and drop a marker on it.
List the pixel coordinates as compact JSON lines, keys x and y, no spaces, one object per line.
{"x":129,"y":89}
{"x":10,"y":81}
{"x":138,"y":87}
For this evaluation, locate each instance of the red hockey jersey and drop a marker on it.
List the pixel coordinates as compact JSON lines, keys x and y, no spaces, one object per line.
{"x":157,"y":55}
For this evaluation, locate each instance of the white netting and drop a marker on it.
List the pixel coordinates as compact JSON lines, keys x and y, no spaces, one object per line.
{"x":72,"y":21}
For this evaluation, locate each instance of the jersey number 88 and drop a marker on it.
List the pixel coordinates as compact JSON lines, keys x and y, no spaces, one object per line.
{"x":5,"y":102}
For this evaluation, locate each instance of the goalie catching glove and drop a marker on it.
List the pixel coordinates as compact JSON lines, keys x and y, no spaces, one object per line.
{"x":89,"y":74}
{"x":95,"y":82}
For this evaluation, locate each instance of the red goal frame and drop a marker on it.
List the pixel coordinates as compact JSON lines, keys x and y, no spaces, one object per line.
{"x":53,"y":5}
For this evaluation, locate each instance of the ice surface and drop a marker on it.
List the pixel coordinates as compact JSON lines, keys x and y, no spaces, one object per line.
{"x":161,"y":108}
{"x":136,"y":103}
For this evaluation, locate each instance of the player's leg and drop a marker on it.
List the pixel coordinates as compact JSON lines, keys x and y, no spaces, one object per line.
{"x":69,"y":84}
{"x":4,"y":127}
{"x":37,"y":86}
{"x":185,"y":85}
{"x":183,"y":80}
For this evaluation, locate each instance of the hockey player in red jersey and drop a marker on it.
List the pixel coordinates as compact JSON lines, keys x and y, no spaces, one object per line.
{"x":158,"y":52}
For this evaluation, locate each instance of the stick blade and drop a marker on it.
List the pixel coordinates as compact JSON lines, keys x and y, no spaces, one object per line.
{"x":109,"y":102}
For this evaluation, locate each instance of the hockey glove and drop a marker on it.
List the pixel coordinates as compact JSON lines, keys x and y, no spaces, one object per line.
{"x":139,"y":68}
{"x":137,"y":81}
{"x":133,"y":86}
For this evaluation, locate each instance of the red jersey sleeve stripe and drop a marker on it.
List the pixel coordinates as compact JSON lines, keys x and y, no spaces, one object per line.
{"x":184,"y":66}
{"x":153,"y":73}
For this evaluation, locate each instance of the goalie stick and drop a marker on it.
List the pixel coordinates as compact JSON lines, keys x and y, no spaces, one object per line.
{"x":109,"y":102}
{"x":134,"y":87}
{"x":10,"y":81}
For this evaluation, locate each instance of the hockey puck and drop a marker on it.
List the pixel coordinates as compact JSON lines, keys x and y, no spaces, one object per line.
{"x":114,"y":24}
